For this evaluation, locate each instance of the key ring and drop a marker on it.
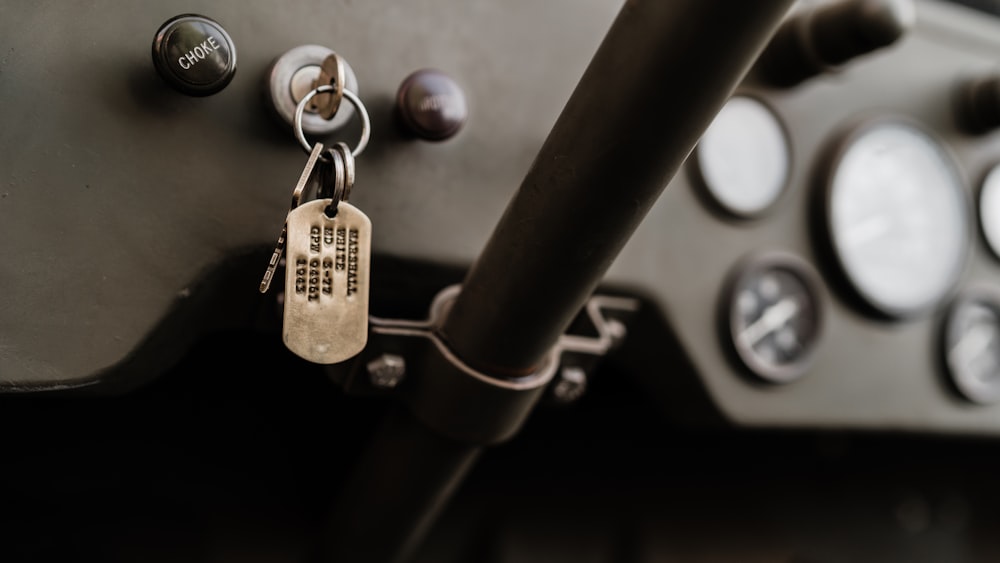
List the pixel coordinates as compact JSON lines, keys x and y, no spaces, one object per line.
{"x":349,"y":169}
{"x":366,"y":125}
{"x":333,"y":181}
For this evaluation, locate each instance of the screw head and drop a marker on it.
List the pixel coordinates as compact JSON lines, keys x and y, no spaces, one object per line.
{"x":386,"y":371}
{"x":571,"y":385}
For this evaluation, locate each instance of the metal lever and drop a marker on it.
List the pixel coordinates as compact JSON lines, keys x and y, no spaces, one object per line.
{"x":653,"y":87}
{"x":661,"y":74}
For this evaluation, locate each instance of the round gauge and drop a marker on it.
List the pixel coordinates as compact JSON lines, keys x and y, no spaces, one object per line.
{"x":972,"y":346}
{"x":743,"y":157}
{"x":773,"y":316}
{"x":897,"y":217}
{"x":989,"y":209}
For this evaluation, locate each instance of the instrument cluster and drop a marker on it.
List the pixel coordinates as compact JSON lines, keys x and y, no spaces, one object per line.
{"x":828,"y":256}
{"x":894,"y":213}
{"x":855,"y":218}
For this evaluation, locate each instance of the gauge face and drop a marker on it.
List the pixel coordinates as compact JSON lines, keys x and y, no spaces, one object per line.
{"x":897,"y":218}
{"x":743,"y":157}
{"x":774,"y":317}
{"x":989,"y":210}
{"x":972,"y":346}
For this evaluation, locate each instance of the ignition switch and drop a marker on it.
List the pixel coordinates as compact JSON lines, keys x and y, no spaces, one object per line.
{"x":293,"y":75}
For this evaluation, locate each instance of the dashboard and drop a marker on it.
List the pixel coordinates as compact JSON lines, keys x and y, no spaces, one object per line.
{"x":133,"y":210}
{"x":825,"y":259}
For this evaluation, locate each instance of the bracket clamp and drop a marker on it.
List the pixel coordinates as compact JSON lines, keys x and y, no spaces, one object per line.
{"x":463,"y":403}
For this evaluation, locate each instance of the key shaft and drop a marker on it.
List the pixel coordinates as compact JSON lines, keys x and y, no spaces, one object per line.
{"x":279,"y":248}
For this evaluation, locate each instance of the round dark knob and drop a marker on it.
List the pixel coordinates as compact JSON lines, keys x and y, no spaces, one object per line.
{"x":431,"y":105}
{"x":194,"y":54}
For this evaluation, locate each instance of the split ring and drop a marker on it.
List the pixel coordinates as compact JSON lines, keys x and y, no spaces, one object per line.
{"x":300,"y":109}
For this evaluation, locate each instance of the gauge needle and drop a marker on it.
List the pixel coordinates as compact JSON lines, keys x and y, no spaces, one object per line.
{"x":774,"y":317}
{"x":972,"y":344}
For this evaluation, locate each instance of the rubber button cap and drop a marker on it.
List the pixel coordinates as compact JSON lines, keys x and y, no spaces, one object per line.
{"x":431,"y":105}
{"x":194,"y":54}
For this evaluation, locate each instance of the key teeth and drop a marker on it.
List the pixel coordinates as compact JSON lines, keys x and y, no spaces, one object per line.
{"x":265,"y":283}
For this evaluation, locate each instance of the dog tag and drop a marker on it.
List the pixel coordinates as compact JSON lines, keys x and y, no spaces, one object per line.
{"x":327,"y":275}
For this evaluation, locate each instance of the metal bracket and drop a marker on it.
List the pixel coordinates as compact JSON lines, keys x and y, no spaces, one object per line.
{"x":410,"y":360}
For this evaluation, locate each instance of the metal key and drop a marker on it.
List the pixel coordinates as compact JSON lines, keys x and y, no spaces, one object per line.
{"x":300,"y":186}
{"x":328,"y":273}
{"x":331,"y":72}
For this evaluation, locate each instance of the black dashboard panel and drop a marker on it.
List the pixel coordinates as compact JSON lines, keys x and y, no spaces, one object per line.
{"x":121,"y":196}
{"x":765,"y":401}
{"x":869,"y":371}
{"x":137,"y":220}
